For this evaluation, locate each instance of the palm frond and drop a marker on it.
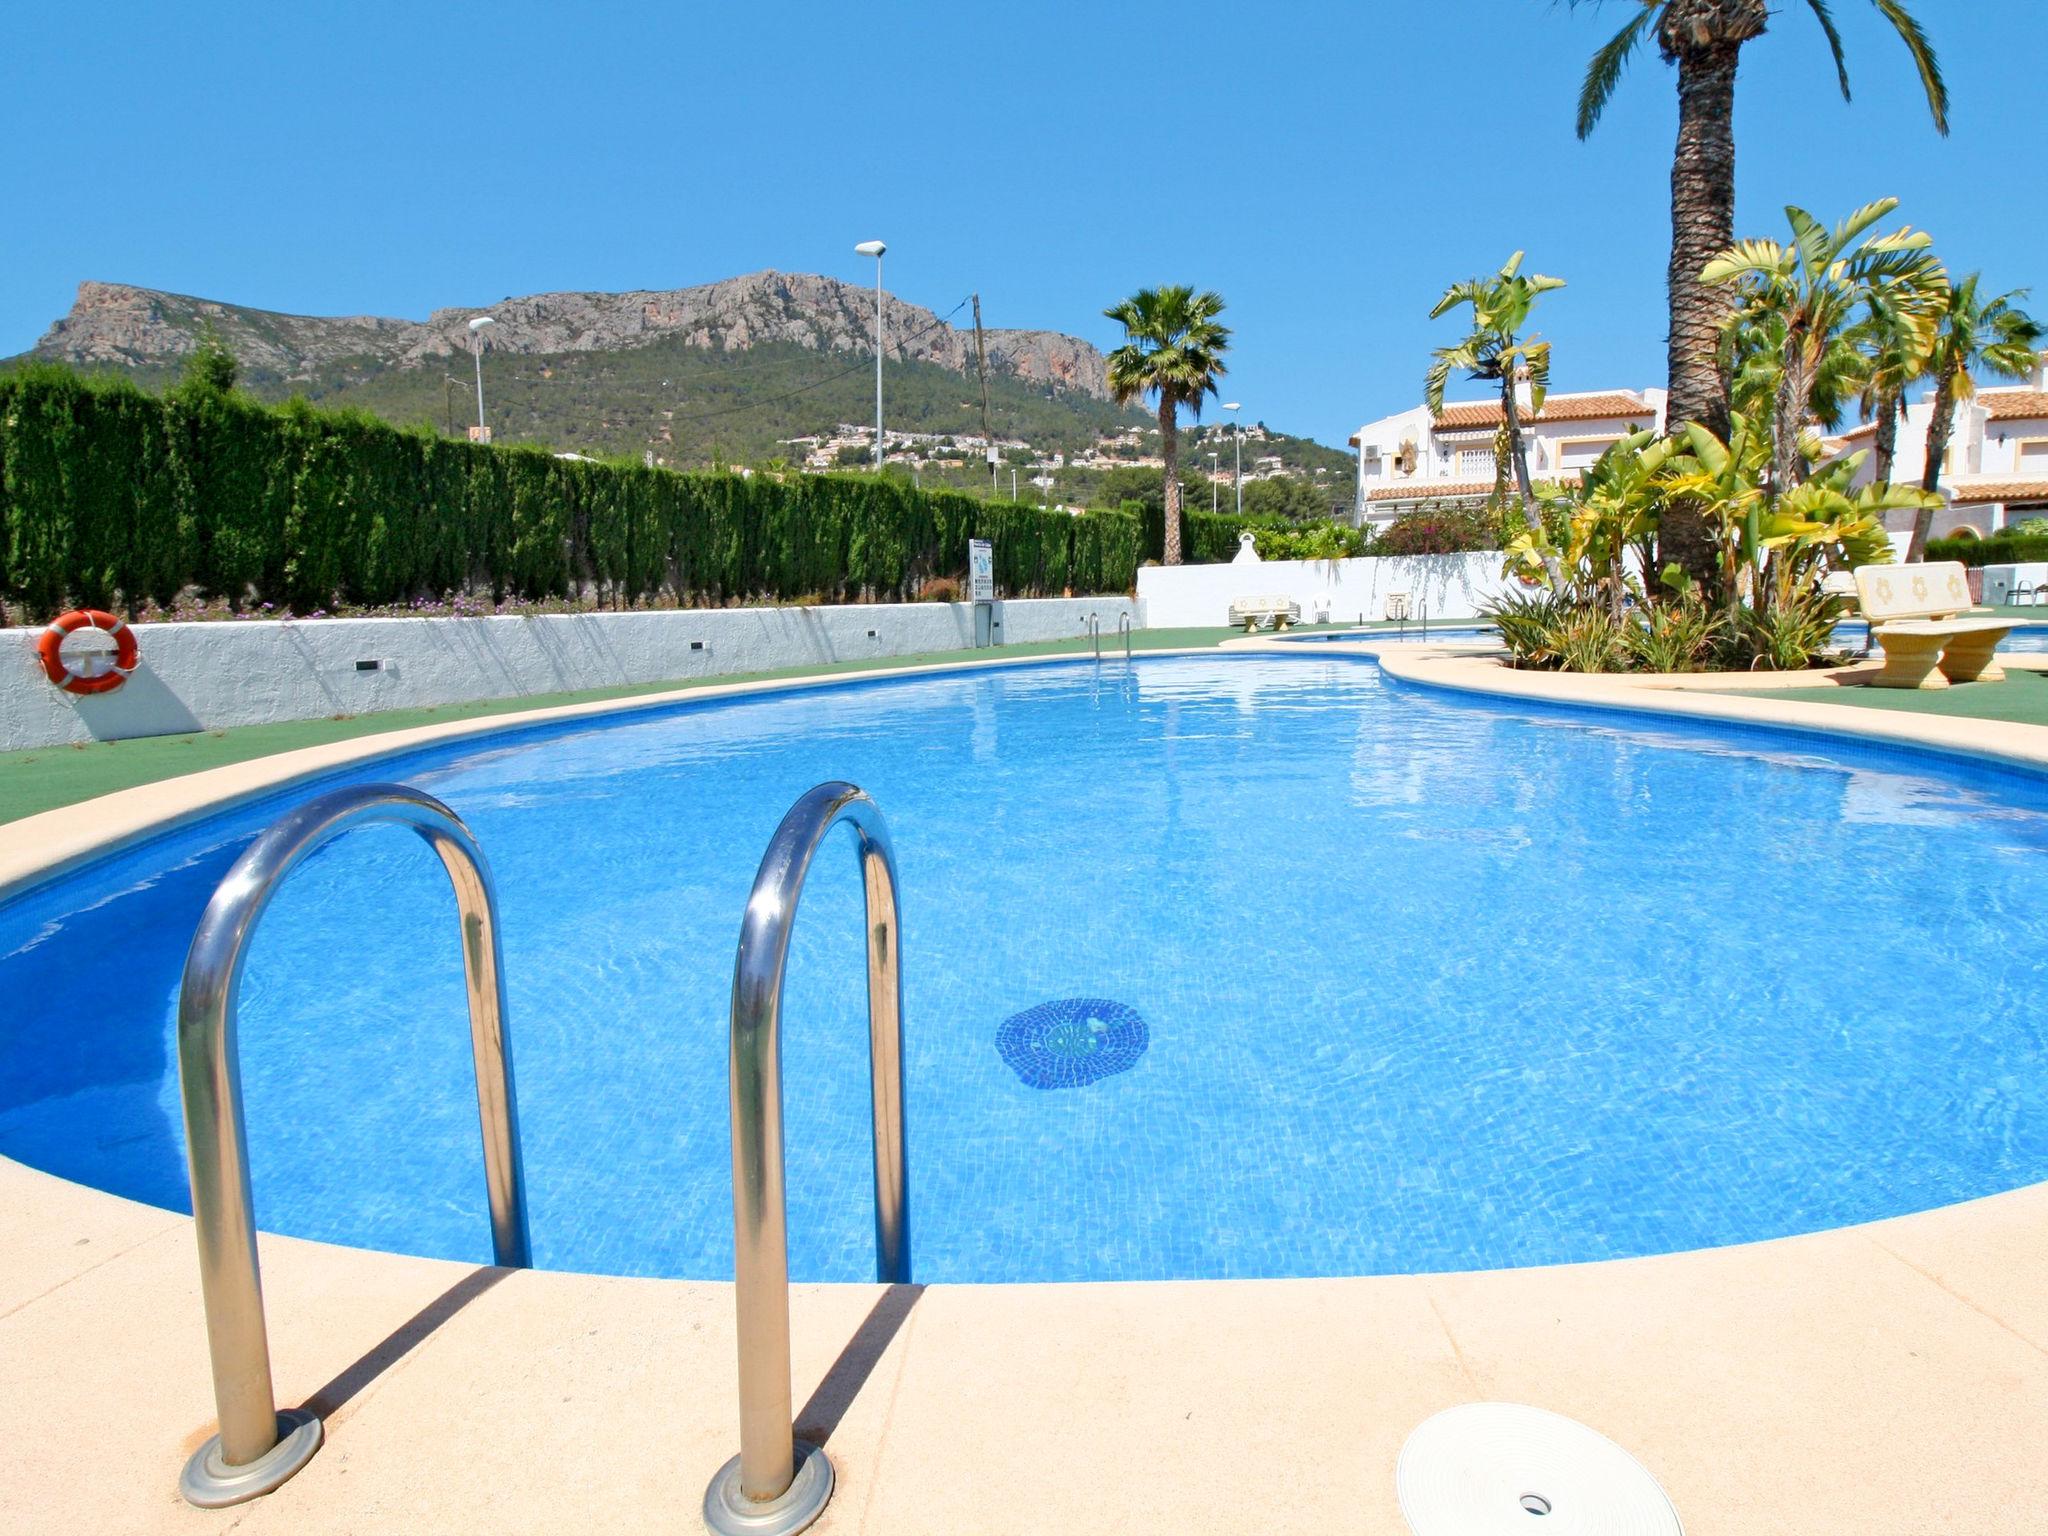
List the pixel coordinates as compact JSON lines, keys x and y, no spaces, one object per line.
{"x":1604,"y":72}
{"x":1860,"y":220}
{"x":1827,"y":25}
{"x":1929,"y":67}
{"x":1746,"y":257}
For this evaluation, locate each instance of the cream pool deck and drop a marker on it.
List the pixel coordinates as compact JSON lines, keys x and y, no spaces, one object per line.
{"x":1875,"y":1379}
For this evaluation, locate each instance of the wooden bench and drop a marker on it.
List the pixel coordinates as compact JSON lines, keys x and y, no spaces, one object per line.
{"x":1254,"y":613}
{"x":1921,"y":615}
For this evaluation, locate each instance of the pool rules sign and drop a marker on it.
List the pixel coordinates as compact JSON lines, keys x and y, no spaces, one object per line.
{"x":981,"y":589}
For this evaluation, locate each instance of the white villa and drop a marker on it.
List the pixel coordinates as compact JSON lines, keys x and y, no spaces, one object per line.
{"x":1413,"y":459}
{"x":1997,"y":467}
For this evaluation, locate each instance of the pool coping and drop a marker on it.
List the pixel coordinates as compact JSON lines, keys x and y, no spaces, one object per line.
{"x":1885,"y":1377}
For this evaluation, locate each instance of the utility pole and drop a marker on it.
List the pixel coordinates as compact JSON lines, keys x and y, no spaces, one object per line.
{"x":981,"y":368}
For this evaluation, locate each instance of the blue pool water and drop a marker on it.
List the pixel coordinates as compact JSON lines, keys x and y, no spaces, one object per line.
{"x":1214,"y":966}
{"x":2027,"y":641}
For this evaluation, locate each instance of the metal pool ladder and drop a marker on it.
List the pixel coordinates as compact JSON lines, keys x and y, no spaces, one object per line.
{"x":258,"y":1447}
{"x":779,"y":1484}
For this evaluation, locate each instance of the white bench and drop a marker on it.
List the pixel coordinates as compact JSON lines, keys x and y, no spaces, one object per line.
{"x":1254,"y":613}
{"x":1920,"y":614}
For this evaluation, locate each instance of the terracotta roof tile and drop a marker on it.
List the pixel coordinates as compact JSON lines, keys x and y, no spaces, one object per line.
{"x":2000,"y":490}
{"x":1439,"y":490}
{"x":2013,"y":404}
{"x":1607,"y":403}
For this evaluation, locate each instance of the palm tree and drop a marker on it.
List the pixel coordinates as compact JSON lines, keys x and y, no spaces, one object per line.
{"x":1173,"y":351}
{"x":1809,"y":291}
{"x":1894,"y":347}
{"x":1704,"y":38}
{"x":1496,"y":351}
{"x":1974,"y":335}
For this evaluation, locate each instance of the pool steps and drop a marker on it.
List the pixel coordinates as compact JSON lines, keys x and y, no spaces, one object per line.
{"x":776,"y":1485}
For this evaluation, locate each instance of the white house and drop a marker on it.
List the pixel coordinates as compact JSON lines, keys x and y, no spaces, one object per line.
{"x":1413,"y":459}
{"x":1996,"y":472}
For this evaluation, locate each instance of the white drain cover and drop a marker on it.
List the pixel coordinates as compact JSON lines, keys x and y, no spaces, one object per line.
{"x":1500,"y":1469}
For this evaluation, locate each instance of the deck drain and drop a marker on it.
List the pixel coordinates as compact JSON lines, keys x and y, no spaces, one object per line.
{"x":1484,"y":1469}
{"x":1072,"y":1042}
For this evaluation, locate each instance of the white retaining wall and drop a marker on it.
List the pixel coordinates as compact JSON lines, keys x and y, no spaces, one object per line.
{"x":246,"y":672}
{"x":1346,"y":590}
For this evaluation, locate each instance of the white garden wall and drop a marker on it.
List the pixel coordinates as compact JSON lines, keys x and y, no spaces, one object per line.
{"x":1347,"y":591}
{"x":206,"y":676}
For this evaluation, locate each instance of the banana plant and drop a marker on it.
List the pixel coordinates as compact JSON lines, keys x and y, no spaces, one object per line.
{"x":1725,"y":481}
{"x":1808,"y":292}
{"x":1615,"y":507}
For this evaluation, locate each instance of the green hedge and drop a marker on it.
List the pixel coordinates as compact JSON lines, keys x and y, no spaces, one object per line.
{"x":1206,"y":538}
{"x":109,"y":496}
{"x":1998,"y":549}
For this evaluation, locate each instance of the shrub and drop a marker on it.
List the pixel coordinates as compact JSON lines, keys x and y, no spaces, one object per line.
{"x":1676,"y":635}
{"x":2010,"y":546}
{"x":939,"y":589}
{"x":111,"y":497}
{"x":1439,"y":531}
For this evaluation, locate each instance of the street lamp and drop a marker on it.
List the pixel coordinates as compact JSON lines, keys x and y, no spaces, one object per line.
{"x":476,"y":336}
{"x":1237,"y":436}
{"x":875,"y":248}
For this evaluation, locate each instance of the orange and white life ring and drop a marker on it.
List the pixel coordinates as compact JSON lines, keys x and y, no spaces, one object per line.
{"x":50,"y":647}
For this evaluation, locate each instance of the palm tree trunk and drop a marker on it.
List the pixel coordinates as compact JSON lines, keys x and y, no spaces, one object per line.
{"x":1169,"y":449}
{"x":1939,"y":426}
{"x":1887,"y":444}
{"x":1525,"y":492}
{"x":1788,"y":415}
{"x":1702,"y":226}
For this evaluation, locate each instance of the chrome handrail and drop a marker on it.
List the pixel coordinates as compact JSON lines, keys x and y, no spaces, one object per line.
{"x":778,"y":1484}
{"x":257,"y":1448}
{"x":1123,"y":627}
{"x":1095,"y":634}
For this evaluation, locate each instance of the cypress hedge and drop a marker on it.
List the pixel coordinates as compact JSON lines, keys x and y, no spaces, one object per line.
{"x":2002,"y":548}
{"x":110,"y":496}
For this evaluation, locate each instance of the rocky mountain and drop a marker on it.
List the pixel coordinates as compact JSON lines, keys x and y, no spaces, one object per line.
{"x":117,"y":325}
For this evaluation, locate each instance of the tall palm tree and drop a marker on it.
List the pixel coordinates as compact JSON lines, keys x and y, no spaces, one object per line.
{"x":1496,"y":351}
{"x":1975,"y":334}
{"x":1173,"y":351}
{"x":1894,"y":347}
{"x":1704,"y":38}
{"x":1811,"y":290}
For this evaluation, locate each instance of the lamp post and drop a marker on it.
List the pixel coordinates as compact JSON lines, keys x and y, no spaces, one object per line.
{"x":476,"y":337}
{"x":875,"y":248}
{"x":1237,"y":439}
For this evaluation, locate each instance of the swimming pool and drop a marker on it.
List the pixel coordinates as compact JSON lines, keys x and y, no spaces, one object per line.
{"x":2026,"y":641}
{"x":1382,"y":980}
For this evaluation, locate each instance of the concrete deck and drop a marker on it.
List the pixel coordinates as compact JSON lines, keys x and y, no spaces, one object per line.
{"x":1880,"y":1379}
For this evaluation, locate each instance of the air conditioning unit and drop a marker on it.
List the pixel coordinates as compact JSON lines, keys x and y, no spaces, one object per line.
{"x":1370,"y":450}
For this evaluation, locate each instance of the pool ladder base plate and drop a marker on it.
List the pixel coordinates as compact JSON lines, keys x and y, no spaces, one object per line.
{"x":728,"y":1512}
{"x":211,"y":1483}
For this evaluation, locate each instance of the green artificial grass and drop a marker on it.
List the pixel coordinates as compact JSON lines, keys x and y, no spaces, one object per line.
{"x":43,"y":778}
{"x":2021,"y":698}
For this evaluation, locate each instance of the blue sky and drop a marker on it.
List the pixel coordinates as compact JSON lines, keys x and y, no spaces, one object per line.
{"x":1328,"y":167}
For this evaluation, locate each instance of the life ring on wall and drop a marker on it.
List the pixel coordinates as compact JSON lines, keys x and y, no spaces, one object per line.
{"x":50,"y":647}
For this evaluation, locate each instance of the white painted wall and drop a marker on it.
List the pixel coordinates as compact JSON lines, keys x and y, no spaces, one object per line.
{"x":247,"y":672}
{"x":1191,"y":595}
